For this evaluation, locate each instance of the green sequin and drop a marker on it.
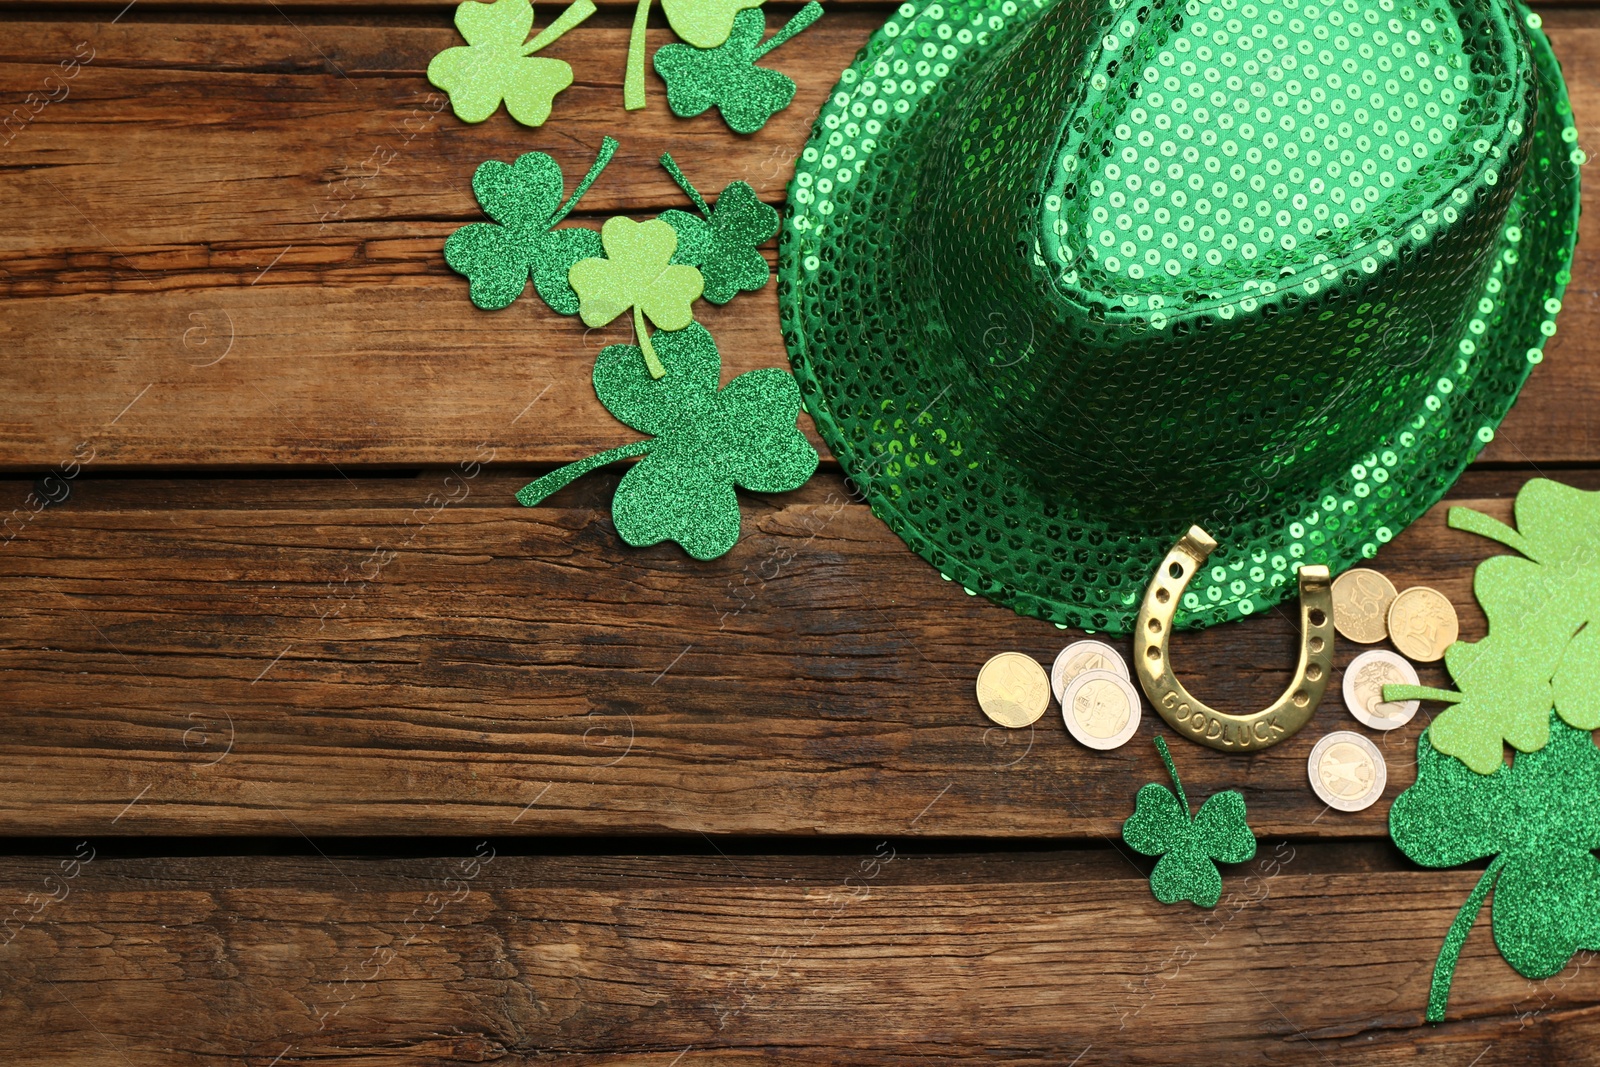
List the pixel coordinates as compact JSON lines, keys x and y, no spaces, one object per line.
{"x":1262,"y":136}
{"x":1540,"y":819}
{"x":1039,"y":427}
{"x":725,"y":243}
{"x":1189,"y":847}
{"x":705,"y":441}
{"x":727,"y":76}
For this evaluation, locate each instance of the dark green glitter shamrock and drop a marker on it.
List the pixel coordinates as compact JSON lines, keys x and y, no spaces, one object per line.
{"x":724,"y":243}
{"x":705,"y":442}
{"x":524,"y":198}
{"x":727,"y":76}
{"x":1161,"y":826}
{"x":1540,"y":820}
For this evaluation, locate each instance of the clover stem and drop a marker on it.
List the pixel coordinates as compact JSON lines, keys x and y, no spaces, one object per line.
{"x":633,"y":80}
{"x":1166,"y":757}
{"x":533,"y":492}
{"x":683,"y":183}
{"x":1422,"y":692}
{"x":575,"y":13}
{"x":608,"y":148}
{"x":652,"y":362}
{"x":1445,"y":968}
{"x":1485,"y":526}
{"x":802,"y":18}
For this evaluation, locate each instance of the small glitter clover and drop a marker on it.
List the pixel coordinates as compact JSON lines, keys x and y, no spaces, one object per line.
{"x":496,"y":64}
{"x":703,"y":23}
{"x":705,"y":441}
{"x":637,"y":272}
{"x":1189,"y":847}
{"x":725,"y":243}
{"x":1543,"y":646}
{"x":727,"y":76}
{"x":1540,"y":820}
{"x":524,"y":198}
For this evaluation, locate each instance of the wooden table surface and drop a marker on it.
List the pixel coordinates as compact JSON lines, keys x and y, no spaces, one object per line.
{"x":316,"y":747}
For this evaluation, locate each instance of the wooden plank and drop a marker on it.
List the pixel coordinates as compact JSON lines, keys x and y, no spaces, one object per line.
{"x":878,"y":957}
{"x":267,"y":299}
{"x":223,"y":663}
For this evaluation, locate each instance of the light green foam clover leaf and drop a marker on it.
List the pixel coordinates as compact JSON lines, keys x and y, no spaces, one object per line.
{"x":724,"y":244}
{"x":1542,"y":651}
{"x":703,"y":23}
{"x":1540,"y":820}
{"x":705,"y":441}
{"x":496,"y":64}
{"x":524,"y":199}
{"x":637,"y":272}
{"x":1190,"y":848}
{"x":727,"y":76}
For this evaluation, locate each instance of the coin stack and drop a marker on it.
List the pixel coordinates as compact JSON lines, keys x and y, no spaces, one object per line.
{"x":1090,"y":679}
{"x":1098,"y":701}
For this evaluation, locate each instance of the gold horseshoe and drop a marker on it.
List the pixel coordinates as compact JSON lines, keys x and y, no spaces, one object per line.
{"x":1191,"y":718}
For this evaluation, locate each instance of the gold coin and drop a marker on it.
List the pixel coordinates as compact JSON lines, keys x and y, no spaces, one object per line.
{"x":1013,"y":690}
{"x":1422,"y":623}
{"x":1347,"y":771}
{"x":1083,"y":656}
{"x":1101,"y":709}
{"x":1364,"y":680}
{"x":1361,"y":599}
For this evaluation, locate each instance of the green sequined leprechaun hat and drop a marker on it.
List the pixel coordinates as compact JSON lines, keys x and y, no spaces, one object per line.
{"x":1061,"y":278}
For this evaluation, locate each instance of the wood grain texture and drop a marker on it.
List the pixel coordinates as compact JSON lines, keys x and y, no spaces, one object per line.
{"x":278,"y":191}
{"x":318,"y":659}
{"x":883,"y":957}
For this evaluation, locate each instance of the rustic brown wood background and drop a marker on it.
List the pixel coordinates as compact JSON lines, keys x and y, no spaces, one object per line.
{"x":311,"y":753}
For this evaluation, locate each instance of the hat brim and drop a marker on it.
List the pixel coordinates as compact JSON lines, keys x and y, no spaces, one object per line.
{"x":954,"y":497}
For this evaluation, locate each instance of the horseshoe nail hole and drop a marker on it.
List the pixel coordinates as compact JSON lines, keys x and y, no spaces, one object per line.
{"x":1176,"y":570}
{"x":1316,"y":644}
{"x":1162,"y":596}
{"x":1153,"y":654}
{"x":1317,"y":617}
{"x":1314,"y":672}
{"x":1300,"y":699}
{"x":1154,"y":625}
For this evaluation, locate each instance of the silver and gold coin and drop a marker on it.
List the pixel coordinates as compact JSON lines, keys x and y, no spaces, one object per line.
{"x":1101,"y":709}
{"x":1013,"y":690}
{"x":1361,"y":599}
{"x":1422,"y":623}
{"x":1364,"y":680}
{"x":1083,"y":656}
{"x":1347,"y":771}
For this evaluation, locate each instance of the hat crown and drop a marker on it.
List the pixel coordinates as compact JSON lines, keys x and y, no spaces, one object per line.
{"x":1255,"y":138}
{"x":1158,"y":331}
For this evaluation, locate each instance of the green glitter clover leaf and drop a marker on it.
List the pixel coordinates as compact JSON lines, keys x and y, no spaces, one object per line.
{"x":704,"y":442}
{"x":727,"y":76}
{"x":703,"y":23}
{"x":495,"y":63}
{"x":1540,"y":820}
{"x":637,"y":272}
{"x":1543,"y":646}
{"x":1190,"y":848}
{"x":524,"y":198}
{"x":723,"y":245}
